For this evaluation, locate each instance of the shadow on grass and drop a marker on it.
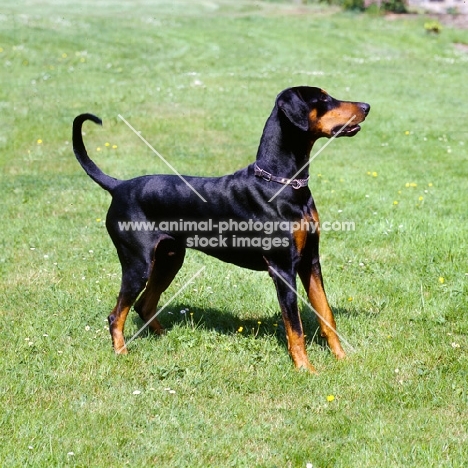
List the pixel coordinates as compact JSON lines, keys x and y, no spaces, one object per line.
{"x":224,"y":322}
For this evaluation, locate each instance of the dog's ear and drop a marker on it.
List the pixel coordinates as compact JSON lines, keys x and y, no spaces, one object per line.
{"x":293,"y":106}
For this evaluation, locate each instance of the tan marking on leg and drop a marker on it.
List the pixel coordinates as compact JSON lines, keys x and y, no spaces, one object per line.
{"x":297,"y":349}
{"x":117,"y":325}
{"x":148,"y":303}
{"x":325,"y":316}
{"x":166,"y":264}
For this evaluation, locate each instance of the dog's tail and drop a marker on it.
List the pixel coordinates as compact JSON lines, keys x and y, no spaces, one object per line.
{"x":106,"y":182}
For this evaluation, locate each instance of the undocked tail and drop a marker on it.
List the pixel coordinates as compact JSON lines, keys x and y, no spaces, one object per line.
{"x":106,"y":182}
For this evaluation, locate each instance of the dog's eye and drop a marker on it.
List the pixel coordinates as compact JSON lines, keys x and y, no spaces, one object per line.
{"x":324,"y":98}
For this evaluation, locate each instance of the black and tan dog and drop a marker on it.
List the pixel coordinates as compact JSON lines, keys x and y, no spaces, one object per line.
{"x":151,"y":258}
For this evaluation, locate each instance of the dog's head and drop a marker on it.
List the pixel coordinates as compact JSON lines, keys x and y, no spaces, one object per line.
{"x":314,"y":111}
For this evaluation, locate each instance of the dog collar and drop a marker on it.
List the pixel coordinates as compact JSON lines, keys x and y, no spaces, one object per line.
{"x":294,"y":183}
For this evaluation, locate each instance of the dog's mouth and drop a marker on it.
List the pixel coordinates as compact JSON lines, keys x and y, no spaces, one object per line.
{"x":349,"y":130}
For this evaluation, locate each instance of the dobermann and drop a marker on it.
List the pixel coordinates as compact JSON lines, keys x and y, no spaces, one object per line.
{"x":150,"y":258}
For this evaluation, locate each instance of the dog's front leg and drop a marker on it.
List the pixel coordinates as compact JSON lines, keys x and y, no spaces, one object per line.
{"x":285,"y":283}
{"x":311,"y":277}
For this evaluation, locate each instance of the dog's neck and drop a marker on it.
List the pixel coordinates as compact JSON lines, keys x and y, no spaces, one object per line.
{"x":284,"y":149}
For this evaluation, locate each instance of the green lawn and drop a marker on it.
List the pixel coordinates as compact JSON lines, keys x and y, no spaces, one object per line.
{"x":199,"y":79}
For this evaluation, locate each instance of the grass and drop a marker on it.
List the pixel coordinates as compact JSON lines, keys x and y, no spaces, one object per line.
{"x":199,"y":80}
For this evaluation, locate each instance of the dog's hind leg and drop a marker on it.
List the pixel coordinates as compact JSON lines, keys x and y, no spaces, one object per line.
{"x":134,"y":277}
{"x":168,"y":258}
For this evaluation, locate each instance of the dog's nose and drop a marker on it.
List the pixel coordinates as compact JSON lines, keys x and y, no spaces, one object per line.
{"x":365,"y":107}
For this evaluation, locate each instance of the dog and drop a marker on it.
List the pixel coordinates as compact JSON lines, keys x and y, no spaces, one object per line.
{"x":272,"y":191}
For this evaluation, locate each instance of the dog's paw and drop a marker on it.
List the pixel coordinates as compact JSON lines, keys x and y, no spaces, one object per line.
{"x":120,"y":349}
{"x":307,"y":367}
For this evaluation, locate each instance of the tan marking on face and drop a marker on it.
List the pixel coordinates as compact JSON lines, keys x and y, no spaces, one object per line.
{"x":336,"y":118}
{"x":312,"y":115}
